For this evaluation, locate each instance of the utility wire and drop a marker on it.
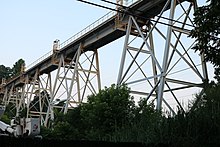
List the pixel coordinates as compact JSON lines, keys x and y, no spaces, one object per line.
{"x":120,"y":11}
{"x":148,"y":12}
{"x":97,"y":5}
{"x":129,"y":13}
{"x":115,"y":3}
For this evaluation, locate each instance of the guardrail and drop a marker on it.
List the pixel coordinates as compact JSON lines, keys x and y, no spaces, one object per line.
{"x":88,"y":28}
{"x":50,"y":53}
{"x":81,"y":33}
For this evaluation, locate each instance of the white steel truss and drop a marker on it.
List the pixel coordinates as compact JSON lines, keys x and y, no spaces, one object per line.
{"x":157,"y":63}
{"x":157,"y":60}
{"x":62,"y":89}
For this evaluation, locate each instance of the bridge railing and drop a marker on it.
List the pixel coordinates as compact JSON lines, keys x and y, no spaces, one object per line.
{"x":50,"y":53}
{"x":88,"y":29}
{"x":81,"y":33}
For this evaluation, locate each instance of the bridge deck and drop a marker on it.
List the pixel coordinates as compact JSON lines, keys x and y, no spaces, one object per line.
{"x":100,"y":35}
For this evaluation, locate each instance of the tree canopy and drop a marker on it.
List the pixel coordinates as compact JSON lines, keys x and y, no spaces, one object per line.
{"x":207,"y":33}
{"x":7,"y":72}
{"x":17,"y":67}
{"x":100,"y":117}
{"x":111,"y":115}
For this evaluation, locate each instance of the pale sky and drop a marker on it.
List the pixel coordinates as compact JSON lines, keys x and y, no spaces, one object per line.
{"x":28,"y":28}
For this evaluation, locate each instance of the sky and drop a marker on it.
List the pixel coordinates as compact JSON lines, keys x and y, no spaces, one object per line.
{"x":29,"y":27}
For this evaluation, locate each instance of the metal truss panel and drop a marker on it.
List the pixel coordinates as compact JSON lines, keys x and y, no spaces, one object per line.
{"x":159,"y":62}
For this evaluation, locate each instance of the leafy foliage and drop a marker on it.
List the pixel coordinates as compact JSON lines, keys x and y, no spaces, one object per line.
{"x":207,"y":32}
{"x":7,"y":72}
{"x":112,"y":116}
{"x":110,"y":109}
{"x":142,"y":127}
{"x":103,"y":115}
{"x":17,"y":67}
{"x":9,"y":113}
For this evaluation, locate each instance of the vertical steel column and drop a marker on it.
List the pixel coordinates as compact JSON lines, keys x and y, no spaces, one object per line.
{"x":50,"y":105}
{"x":50,"y":112}
{"x":98,"y":69}
{"x":10,"y":94}
{"x":165,"y":57}
{"x":22,"y":101}
{"x":17,"y":98}
{"x":73,"y":77}
{"x":78,"y":84}
{"x":128,"y":31}
{"x":5,"y":96}
{"x":154,"y":67}
{"x":32,"y":91}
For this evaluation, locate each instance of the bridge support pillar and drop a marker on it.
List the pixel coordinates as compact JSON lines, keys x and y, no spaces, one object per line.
{"x":157,"y":60}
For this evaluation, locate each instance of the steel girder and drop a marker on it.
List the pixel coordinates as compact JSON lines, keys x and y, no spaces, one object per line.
{"x":157,"y":63}
{"x":62,"y":89}
{"x":157,"y":60}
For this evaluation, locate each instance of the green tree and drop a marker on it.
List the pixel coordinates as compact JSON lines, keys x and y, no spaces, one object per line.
{"x":9,"y":113}
{"x":17,"y":67}
{"x":143,"y":127}
{"x":205,"y":111}
{"x":107,"y":111}
{"x":104,"y":114}
{"x":5,"y":72}
{"x":207,"y":33}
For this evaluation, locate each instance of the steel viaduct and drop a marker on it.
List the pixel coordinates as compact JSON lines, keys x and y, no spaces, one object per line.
{"x":66,"y":75}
